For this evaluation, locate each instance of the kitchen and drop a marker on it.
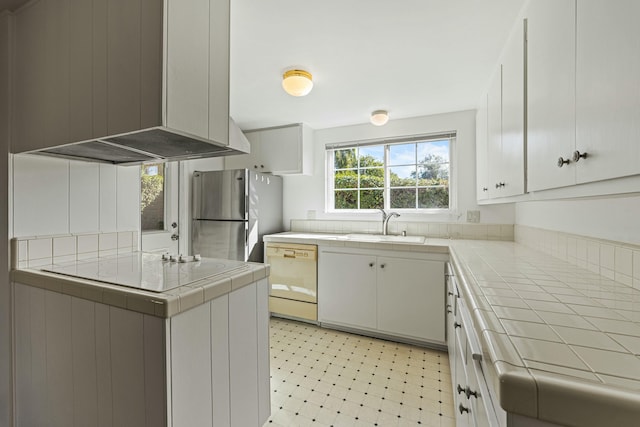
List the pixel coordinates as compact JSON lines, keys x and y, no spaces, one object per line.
{"x":603,"y":214}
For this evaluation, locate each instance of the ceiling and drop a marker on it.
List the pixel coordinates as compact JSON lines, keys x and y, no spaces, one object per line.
{"x":410,"y":57}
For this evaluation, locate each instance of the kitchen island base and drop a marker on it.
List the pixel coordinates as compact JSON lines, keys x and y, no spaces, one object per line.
{"x":83,"y":363}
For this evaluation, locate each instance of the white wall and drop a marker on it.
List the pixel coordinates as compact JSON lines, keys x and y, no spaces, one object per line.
{"x":307,"y":193}
{"x":55,"y":196}
{"x":612,"y":218}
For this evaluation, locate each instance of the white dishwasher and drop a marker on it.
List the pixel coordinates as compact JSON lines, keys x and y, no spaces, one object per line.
{"x":293,"y":281}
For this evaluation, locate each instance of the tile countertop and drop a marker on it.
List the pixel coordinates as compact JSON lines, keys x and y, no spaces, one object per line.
{"x":563,"y":342}
{"x":161,"y":304}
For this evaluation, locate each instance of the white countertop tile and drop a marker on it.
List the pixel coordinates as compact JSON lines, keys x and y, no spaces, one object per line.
{"x":553,"y":353}
{"x":609,"y":362}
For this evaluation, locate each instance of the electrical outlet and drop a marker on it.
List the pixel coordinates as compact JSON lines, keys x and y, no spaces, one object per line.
{"x":473,"y":216}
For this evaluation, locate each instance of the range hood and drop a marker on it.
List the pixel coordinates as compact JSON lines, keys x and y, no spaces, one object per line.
{"x":156,"y":144}
{"x":154,"y":88}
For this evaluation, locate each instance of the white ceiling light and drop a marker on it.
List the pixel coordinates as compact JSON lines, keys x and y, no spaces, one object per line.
{"x":297,"y":82}
{"x":379,"y":117}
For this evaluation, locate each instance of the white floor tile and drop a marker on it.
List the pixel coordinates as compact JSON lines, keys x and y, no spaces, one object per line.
{"x":321,"y":377}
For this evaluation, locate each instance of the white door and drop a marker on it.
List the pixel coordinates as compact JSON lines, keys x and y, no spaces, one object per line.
{"x":551,"y":74}
{"x":494,"y":133}
{"x":411,"y":298}
{"x":482,"y":170}
{"x":159,"y":209}
{"x":347,"y":289}
{"x":607,"y":89}
{"x":512,"y":152}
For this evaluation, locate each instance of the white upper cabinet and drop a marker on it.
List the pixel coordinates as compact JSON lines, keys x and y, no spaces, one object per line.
{"x":285,"y":150}
{"x":482,"y":171}
{"x":500,"y":132}
{"x":607,"y":89}
{"x":513,"y":110}
{"x":551,"y":72}
{"x":494,"y":132}
{"x":584,"y":91}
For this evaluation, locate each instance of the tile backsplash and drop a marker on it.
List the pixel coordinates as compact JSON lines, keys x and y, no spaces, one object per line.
{"x":43,"y":250}
{"x":613,"y":260}
{"x":429,"y":229}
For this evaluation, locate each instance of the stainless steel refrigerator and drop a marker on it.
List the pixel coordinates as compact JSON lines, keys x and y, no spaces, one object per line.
{"x":232,"y":210}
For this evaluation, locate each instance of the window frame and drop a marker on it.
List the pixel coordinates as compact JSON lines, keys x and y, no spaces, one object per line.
{"x":386,"y":142}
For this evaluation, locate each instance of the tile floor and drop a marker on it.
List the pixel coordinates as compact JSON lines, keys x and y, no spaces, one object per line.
{"x":321,"y":377}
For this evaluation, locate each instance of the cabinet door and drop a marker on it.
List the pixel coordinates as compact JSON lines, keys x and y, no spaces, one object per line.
{"x":608,"y":89}
{"x":281,"y":149}
{"x":244,"y":372}
{"x":550,"y":92}
{"x":411,"y":298}
{"x":482,"y":171}
{"x":461,"y":404}
{"x":251,"y":160}
{"x":347,"y":289}
{"x":494,"y":132}
{"x":512,"y":152}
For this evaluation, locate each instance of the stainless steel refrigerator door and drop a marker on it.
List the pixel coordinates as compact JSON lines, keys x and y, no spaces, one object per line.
{"x":220,"y":195}
{"x":220,"y":239}
{"x":265,"y":210}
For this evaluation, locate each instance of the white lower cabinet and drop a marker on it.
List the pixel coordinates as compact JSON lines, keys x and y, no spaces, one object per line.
{"x":471,"y":397}
{"x":83,"y":363}
{"x":382,"y":292}
{"x":347,"y":289}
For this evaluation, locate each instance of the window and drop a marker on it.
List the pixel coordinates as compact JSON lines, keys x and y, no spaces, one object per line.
{"x":152,"y":204}
{"x":401,"y":174}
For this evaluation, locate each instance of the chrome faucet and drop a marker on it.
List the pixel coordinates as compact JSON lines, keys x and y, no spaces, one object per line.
{"x":385,"y":220}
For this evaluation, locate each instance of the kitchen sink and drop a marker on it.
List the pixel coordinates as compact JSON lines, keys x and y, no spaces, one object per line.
{"x":384,"y":238}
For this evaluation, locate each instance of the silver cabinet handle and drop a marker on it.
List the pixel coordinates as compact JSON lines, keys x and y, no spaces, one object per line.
{"x":371,"y":264}
{"x":382,"y":265}
{"x":578,"y":155}
{"x":562,"y":162}
{"x":470,"y":393}
{"x":460,"y":389}
{"x":456,"y":325}
{"x":500,"y":184}
{"x":462,"y":409}
{"x":485,"y":189}
{"x":174,"y":237}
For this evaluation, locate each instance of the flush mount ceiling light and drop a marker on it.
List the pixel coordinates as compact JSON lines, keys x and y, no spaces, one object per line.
{"x":297,"y":82}
{"x":379,"y":117}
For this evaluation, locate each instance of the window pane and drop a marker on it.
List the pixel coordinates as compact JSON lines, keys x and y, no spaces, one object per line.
{"x":372,"y":178}
{"x":345,"y":159}
{"x":433,"y":152}
{"x":433,"y":174}
{"x":402,"y":154}
{"x":152,"y":197}
{"x":346,"y":179}
{"x":371,"y":199}
{"x":346,"y":199}
{"x":402,"y":198}
{"x":403,"y":176}
{"x":371,"y":156}
{"x":433,"y":198}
